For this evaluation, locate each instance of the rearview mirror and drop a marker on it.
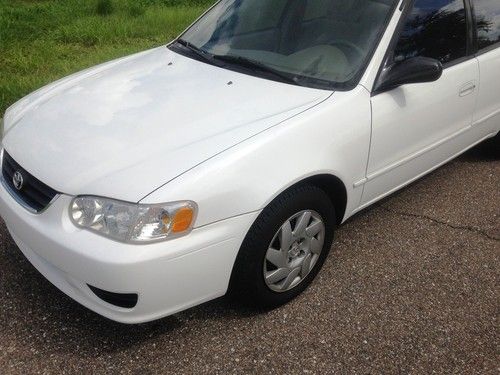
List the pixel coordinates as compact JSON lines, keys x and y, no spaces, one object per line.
{"x":414,"y":70}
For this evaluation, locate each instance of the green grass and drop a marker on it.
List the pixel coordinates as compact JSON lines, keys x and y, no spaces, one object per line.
{"x":43,"y":40}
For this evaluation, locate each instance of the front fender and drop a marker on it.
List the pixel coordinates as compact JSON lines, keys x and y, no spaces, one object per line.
{"x":330,"y":138}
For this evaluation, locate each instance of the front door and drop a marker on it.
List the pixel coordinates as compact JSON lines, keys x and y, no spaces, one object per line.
{"x":417,"y":127}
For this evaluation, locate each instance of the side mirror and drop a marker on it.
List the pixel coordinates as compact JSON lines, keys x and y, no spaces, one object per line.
{"x":413,"y":70}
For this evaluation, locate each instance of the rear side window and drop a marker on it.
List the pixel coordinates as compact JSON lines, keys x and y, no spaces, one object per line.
{"x":435,"y":29}
{"x":488,"y":22}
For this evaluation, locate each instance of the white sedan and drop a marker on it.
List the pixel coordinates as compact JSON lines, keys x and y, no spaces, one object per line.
{"x":223,"y":161}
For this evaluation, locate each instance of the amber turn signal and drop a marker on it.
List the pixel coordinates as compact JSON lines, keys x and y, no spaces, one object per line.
{"x":182,"y":220}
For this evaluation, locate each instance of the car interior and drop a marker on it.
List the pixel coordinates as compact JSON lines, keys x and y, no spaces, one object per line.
{"x":324,"y":39}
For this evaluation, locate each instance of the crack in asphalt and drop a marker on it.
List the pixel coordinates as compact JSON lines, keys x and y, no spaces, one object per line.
{"x":447,"y":224}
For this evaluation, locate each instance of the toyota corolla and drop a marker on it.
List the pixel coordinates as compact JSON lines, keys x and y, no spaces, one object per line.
{"x":223,"y":161}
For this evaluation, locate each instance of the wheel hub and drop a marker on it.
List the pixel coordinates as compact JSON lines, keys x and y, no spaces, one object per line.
{"x":294,"y":252}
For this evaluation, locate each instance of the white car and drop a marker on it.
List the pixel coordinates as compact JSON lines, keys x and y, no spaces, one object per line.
{"x":223,"y":161}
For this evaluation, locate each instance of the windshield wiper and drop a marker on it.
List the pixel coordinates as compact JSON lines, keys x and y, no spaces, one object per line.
{"x":197,"y":51}
{"x":255,"y":66}
{"x":237,"y":60}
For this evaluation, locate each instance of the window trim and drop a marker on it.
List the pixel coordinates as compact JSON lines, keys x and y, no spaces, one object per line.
{"x":490,"y":48}
{"x":471,"y":28}
{"x":406,"y":8}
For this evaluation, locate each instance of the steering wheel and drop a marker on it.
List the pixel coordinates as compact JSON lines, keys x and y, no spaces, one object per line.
{"x":350,"y":45}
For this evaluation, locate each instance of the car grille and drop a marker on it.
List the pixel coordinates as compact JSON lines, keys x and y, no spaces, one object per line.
{"x":33,"y":194}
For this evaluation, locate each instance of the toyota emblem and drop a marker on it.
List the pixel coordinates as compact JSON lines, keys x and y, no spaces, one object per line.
{"x":18,"y":180}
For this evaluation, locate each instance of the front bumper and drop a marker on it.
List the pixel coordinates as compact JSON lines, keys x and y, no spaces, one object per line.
{"x":168,"y":277}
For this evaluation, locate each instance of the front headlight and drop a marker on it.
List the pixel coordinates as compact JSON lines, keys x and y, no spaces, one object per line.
{"x":132,"y":222}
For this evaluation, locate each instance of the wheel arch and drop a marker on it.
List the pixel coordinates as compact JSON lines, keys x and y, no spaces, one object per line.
{"x":332,"y":185}
{"x":334,"y":188}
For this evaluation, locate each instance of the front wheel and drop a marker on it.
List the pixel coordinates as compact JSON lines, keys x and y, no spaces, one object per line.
{"x":285,"y":248}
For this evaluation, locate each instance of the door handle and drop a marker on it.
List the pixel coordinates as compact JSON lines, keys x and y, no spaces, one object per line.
{"x":467,"y":89}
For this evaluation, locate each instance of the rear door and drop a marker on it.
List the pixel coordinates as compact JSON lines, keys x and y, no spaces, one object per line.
{"x":416,"y":127}
{"x":487,"y":21}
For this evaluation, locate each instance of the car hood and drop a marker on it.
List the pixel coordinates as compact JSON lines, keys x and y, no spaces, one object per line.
{"x":125,"y":128}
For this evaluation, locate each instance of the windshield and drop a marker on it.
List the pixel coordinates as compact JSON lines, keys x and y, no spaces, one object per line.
{"x":314,"y":42}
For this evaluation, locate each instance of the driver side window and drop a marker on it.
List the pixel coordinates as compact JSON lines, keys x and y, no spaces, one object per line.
{"x":435,"y":29}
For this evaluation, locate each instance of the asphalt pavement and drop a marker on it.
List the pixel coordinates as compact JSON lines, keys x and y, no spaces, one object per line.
{"x":411,"y":287}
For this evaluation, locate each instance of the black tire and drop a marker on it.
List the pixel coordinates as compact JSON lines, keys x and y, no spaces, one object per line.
{"x":247,"y":284}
